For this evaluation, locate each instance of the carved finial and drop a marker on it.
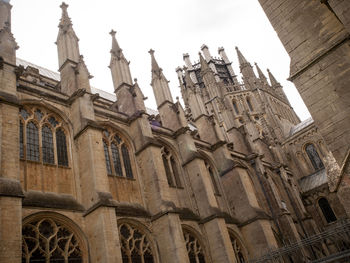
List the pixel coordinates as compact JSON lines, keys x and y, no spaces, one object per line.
{"x":112,"y":33}
{"x":135,"y":80}
{"x":151,"y":51}
{"x":64,"y":6}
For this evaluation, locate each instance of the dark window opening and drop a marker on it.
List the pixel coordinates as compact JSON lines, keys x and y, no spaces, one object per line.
{"x":32,"y":142}
{"x":327,"y":210}
{"x":62,"y":156}
{"x":47,"y":145}
{"x":314,"y":157}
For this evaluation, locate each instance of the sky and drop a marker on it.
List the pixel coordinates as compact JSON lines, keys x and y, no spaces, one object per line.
{"x":171,"y":28}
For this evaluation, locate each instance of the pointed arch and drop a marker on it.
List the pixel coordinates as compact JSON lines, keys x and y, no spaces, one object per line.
{"x":136,"y":242}
{"x":238,"y":247}
{"x":49,"y":236}
{"x":117,"y":149}
{"x":195,"y":246}
{"x":209,"y":165}
{"x":249,"y":103}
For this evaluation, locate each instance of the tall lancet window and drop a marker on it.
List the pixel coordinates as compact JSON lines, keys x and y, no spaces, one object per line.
{"x":327,"y":210}
{"x":32,"y":142}
{"x":235,"y":107}
{"x":47,"y":145}
{"x":39,"y":129}
{"x":249,"y":103}
{"x":61,"y":143}
{"x":118,"y":149}
{"x":314,"y":157}
{"x":212,"y":178}
{"x":171,"y":168}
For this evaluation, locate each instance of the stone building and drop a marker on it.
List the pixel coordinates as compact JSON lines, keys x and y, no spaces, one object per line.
{"x":88,"y":176}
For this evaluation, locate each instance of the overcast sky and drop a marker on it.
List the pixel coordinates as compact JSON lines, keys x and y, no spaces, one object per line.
{"x":171,"y":28}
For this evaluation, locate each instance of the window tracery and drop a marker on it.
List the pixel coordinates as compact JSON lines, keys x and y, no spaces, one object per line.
{"x":194,"y":248}
{"x":314,"y":157}
{"x":120,"y":163}
{"x":46,"y":240}
{"x":237,"y":249}
{"x":171,"y":168}
{"x":39,"y":129}
{"x":135,"y":246}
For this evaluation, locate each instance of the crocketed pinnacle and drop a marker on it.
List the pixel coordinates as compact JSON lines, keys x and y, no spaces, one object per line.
{"x":273,"y":80}
{"x":204,"y":64}
{"x":242,"y":60}
{"x":65,"y":21}
{"x":116,"y":50}
{"x":261,"y":74}
{"x":155,"y":67}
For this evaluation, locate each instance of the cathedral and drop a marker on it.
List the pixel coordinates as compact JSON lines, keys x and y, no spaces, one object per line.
{"x":229,"y":176}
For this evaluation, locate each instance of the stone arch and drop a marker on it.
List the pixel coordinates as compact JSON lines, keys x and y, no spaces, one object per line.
{"x":172,"y":167}
{"x":39,"y":229}
{"x":138,"y":234}
{"x":213,"y":172}
{"x":314,"y":158}
{"x":239,"y":249}
{"x":326,"y":210}
{"x":195,"y":245}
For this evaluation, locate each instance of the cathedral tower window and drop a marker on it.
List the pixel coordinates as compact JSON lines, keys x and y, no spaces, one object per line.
{"x":327,"y":210}
{"x":171,"y":168}
{"x":235,"y":107}
{"x":314,"y":157}
{"x":115,"y":146}
{"x":45,"y":240}
{"x":250,"y":106}
{"x":39,"y":130}
{"x":135,"y":246}
{"x":194,"y":248}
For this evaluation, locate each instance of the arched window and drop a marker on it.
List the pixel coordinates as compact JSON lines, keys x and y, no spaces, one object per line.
{"x":212,"y":178}
{"x":314,"y":157}
{"x":61,"y":143}
{"x":117,"y":148}
{"x":135,"y":246}
{"x":37,"y":123}
{"x":237,"y":249}
{"x":171,"y":168}
{"x":194,"y":248}
{"x":45,"y":240}
{"x":250,"y":106}
{"x":235,"y":107}
{"x":327,"y":210}
{"x":32,"y":142}
{"x":47,"y":145}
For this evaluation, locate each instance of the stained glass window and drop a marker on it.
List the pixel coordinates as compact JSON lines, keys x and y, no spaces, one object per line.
{"x":47,"y":145}
{"x":235,"y":107}
{"x":126,"y":159}
{"x":108,"y":161}
{"x":32,"y":142}
{"x":62,"y":157}
{"x":21,"y":141}
{"x":314,"y":157}
{"x":116,"y":160}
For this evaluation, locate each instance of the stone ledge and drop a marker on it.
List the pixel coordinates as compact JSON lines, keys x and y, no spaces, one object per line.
{"x":51,"y":200}
{"x":10,"y":188}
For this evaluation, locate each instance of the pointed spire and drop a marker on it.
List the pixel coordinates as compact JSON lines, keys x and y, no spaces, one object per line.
{"x":119,"y":65}
{"x":155,"y":67}
{"x":273,"y":80}
{"x":159,"y":83}
{"x":67,"y":40}
{"x":242,"y":60}
{"x":262,"y":77}
{"x":115,"y":50}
